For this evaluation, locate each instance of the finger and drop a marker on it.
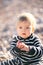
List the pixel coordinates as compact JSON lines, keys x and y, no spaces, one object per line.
{"x":21,"y":46}
{"x":17,"y":44}
{"x":23,"y":49}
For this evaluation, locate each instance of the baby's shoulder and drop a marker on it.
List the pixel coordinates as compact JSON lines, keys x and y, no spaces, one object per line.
{"x":35,"y":36}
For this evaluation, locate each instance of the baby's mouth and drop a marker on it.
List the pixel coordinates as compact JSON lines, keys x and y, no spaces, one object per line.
{"x":23,"y":33}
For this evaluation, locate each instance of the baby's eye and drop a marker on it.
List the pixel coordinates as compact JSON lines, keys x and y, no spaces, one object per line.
{"x":27,"y":27}
{"x":20,"y":27}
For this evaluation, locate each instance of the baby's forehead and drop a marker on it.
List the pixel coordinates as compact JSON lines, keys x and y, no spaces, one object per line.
{"x":21,"y":23}
{"x":25,"y":22}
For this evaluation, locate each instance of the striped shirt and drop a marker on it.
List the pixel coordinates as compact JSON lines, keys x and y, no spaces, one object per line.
{"x":34,"y":55}
{"x":35,"y":52}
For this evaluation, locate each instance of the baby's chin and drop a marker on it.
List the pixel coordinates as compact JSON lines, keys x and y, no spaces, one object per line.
{"x":24,"y":37}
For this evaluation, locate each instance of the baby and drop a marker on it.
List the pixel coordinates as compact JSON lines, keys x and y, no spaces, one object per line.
{"x":26,"y":45}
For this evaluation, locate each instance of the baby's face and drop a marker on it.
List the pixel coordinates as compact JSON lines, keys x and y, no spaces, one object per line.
{"x":24,"y":29}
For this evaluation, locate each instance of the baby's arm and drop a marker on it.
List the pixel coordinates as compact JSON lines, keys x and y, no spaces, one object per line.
{"x":13,"y":45}
{"x":35,"y":52}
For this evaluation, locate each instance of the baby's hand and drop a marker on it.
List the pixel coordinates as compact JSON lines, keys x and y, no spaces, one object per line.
{"x":19,"y":44}
{"x":22,"y":46}
{"x":25,"y":47}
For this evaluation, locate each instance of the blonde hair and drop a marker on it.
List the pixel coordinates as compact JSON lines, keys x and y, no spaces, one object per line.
{"x":29,"y":17}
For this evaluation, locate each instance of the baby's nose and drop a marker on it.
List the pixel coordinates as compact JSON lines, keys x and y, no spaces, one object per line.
{"x":24,"y":29}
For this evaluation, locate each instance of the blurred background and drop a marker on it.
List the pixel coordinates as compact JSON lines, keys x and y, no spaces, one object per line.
{"x":9,"y":9}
